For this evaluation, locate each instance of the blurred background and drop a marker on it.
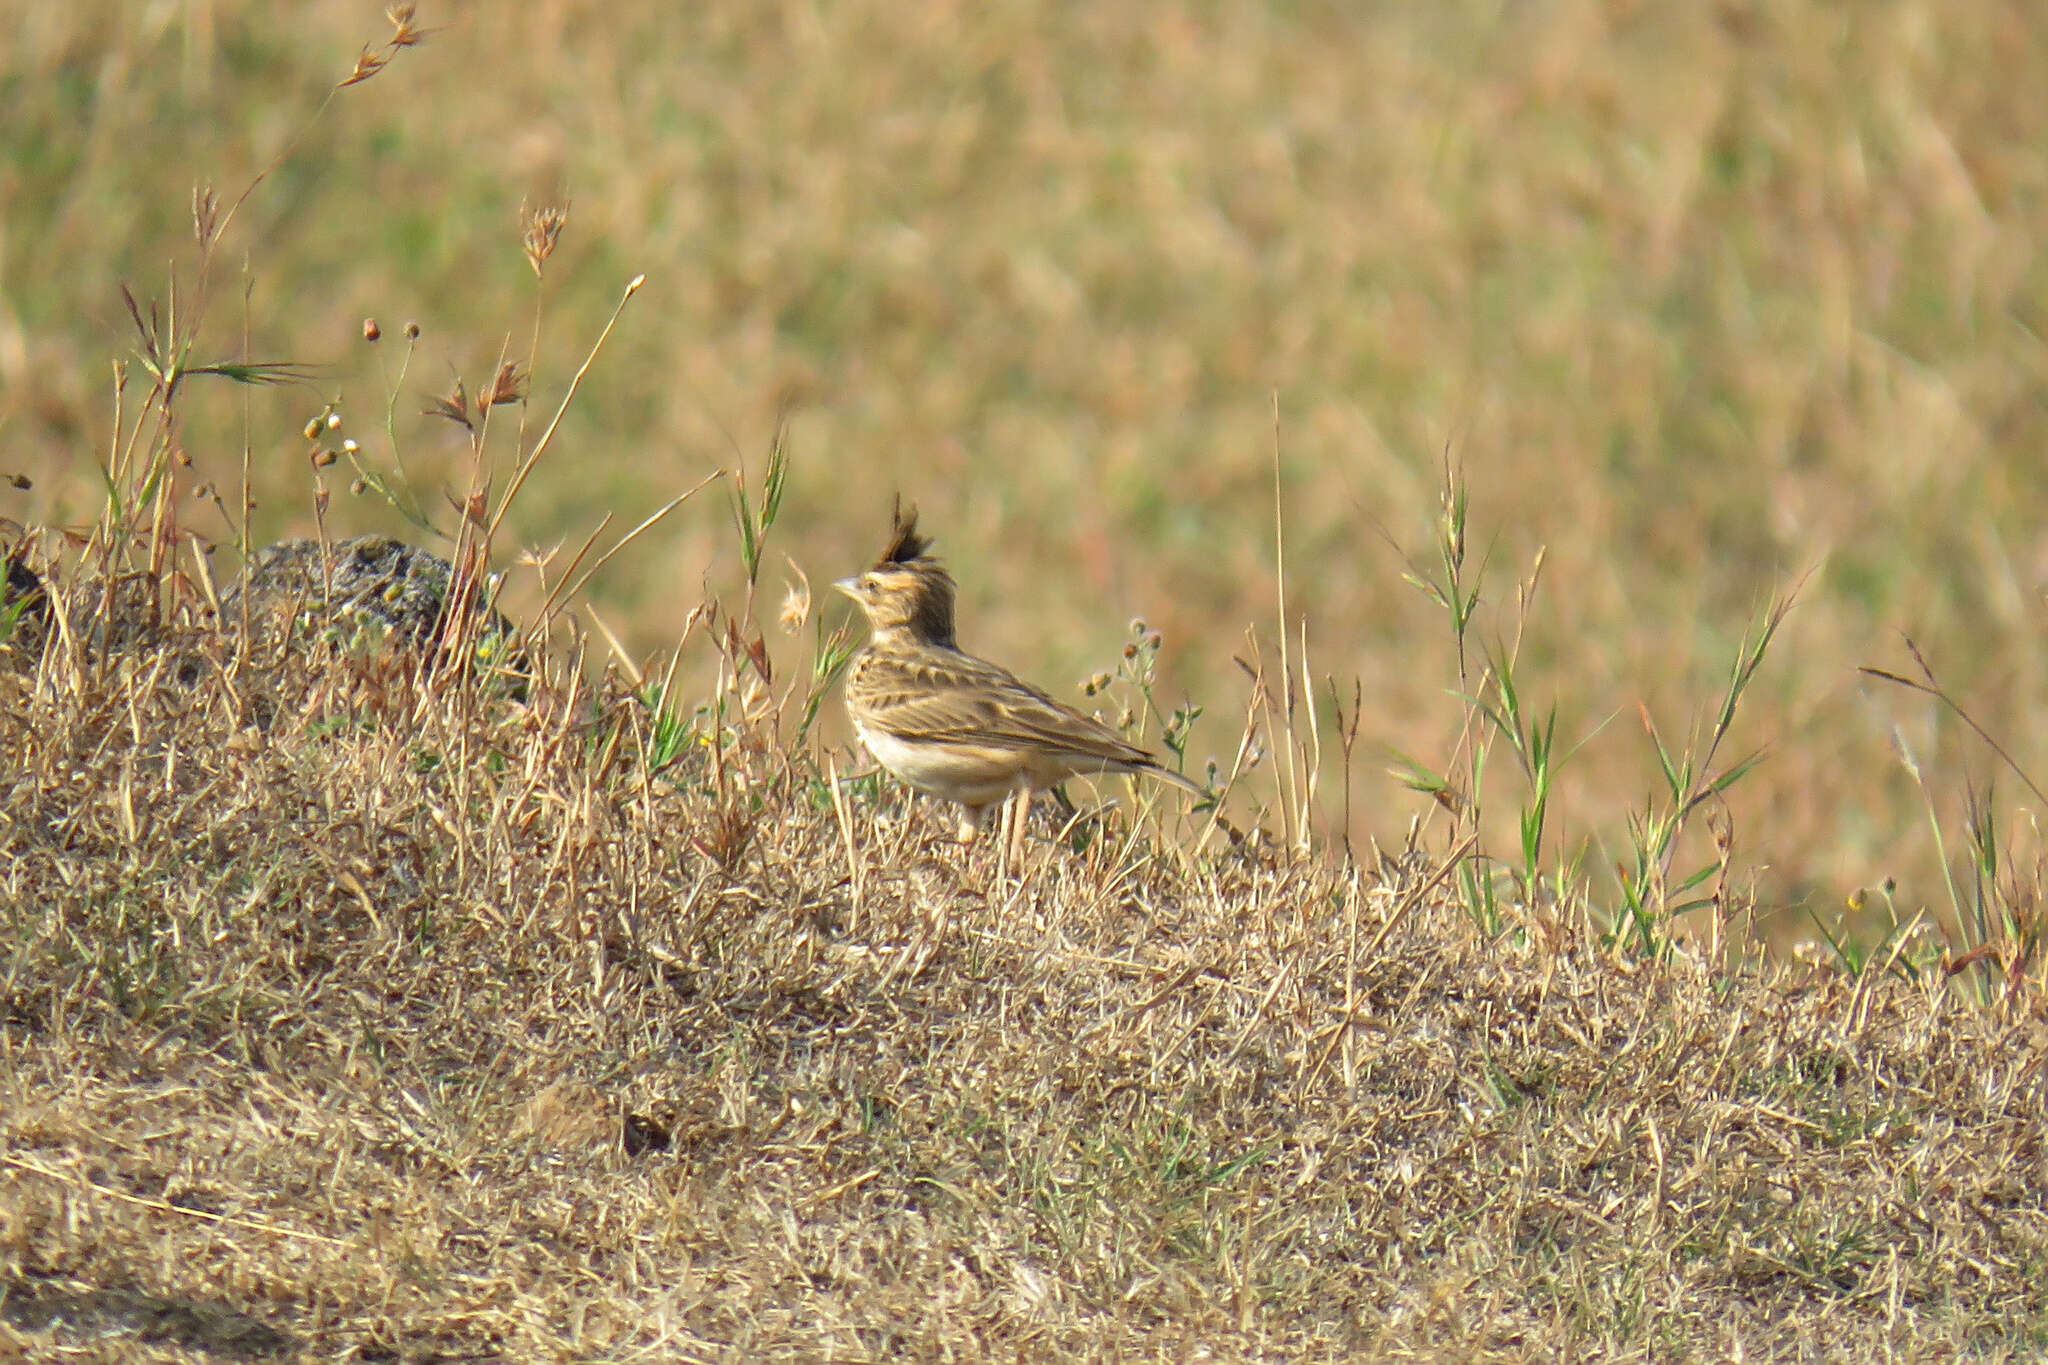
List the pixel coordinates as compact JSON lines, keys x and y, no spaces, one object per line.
{"x":1700,"y":297}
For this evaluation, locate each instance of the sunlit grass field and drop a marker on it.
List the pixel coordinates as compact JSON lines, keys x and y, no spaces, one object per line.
{"x":1699,"y":298}
{"x":1566,"y":476}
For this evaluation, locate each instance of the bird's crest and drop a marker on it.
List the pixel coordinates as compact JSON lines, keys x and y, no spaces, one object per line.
{"x":906,"y":546}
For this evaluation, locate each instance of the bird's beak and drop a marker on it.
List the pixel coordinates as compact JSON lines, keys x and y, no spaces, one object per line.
{"x":849,"y":586}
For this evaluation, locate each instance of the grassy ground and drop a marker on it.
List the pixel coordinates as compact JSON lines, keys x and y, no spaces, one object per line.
{"x":634,"y":1020}
{"x":428,"y":1031}
{"x":1701,"y":296}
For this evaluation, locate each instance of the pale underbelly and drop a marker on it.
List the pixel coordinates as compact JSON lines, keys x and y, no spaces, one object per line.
{"x":969,"y":774}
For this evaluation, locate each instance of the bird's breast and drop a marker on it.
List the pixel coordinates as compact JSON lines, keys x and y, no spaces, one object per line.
{"x":976,"y":775}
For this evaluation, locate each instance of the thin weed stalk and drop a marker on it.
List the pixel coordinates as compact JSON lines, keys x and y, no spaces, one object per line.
{"x":1690,"y":782}
{"x":1998,"y":919}
{"x":1295,"y":775}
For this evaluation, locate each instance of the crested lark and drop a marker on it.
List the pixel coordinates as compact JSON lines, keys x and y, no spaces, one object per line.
{"x":955,"y":726}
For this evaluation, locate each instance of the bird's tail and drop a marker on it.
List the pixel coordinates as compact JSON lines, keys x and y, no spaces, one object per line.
{"x":1185,"y":783}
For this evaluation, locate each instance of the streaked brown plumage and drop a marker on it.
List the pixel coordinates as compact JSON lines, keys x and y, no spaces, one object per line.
{"x":952,"y":725}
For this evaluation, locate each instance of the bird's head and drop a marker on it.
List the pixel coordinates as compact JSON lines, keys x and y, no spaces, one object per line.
{"x":906,"y":590}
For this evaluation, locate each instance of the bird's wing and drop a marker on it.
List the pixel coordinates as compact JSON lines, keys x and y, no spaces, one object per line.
{"x":964,"y":699}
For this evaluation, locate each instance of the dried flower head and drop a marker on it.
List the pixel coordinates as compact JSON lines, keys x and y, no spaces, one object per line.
{"x":454,"y":406}
{"x":796,"y":602}
{"x":412,"y":331}
{"x":404,"y":33}
{"x":205,"y":214}
{"x":540,"y":232}
{"x":508,"y":387}
{"x":367,"y":65}
{"x":371,"y":331}
{"x":473,"y":507}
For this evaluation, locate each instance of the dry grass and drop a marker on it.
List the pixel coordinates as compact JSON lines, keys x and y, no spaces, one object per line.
{"x":427,"y":1031}
{"x":357,"y":1007}
{"x":1702,"y":295}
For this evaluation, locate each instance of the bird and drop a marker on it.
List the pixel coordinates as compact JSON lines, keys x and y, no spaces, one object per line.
{"x":955,"y":726}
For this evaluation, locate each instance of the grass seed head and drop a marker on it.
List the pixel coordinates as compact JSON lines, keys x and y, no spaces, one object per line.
{"x":454,"y":406}
{"x":508,"y":387}
{"x":368,"y":64}
{"x":404,"y":33}
{"x":541,"y":232}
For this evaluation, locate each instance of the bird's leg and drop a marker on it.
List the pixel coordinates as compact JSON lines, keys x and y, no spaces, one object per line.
{"x":970,"y":822}
{"x":1002,"y":853}
{"x":1019,"y":821}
